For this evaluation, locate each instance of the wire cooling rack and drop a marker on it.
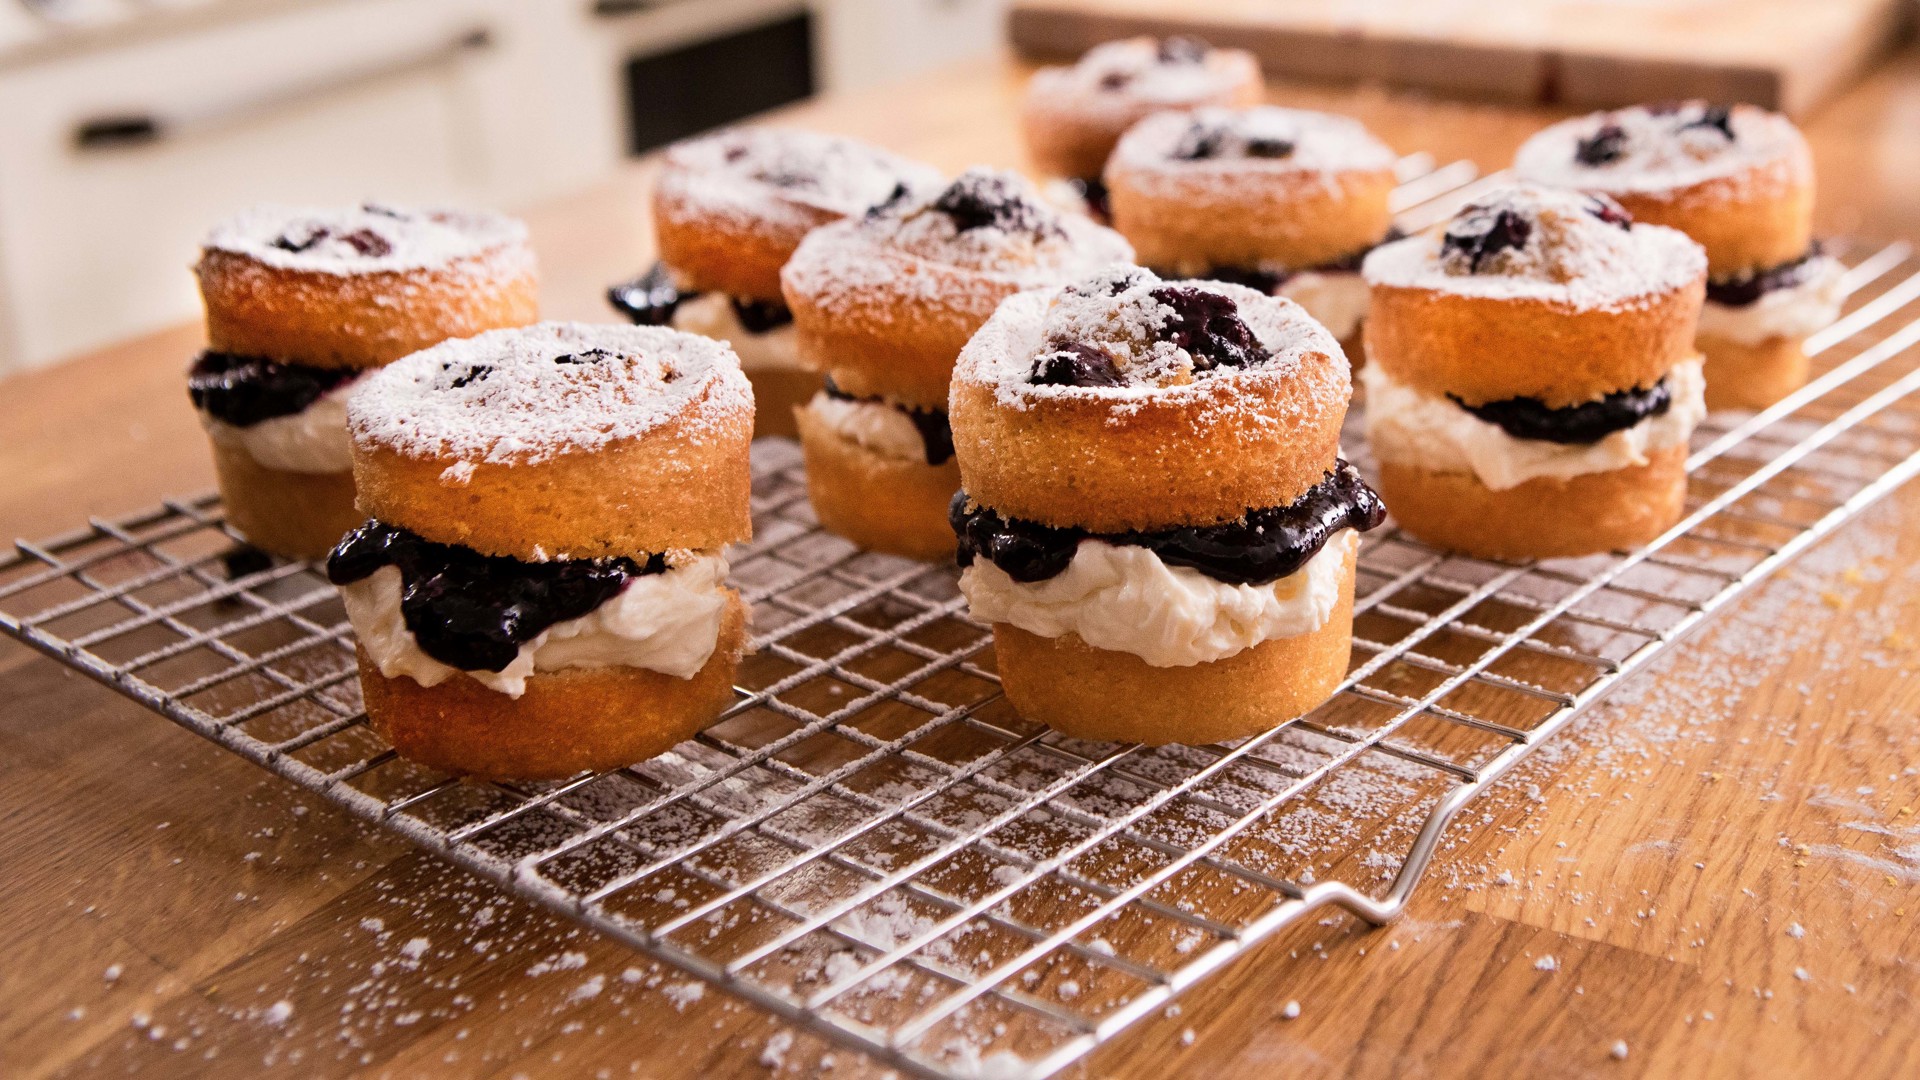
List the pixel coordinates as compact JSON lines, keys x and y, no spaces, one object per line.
{"x":872,"y":844}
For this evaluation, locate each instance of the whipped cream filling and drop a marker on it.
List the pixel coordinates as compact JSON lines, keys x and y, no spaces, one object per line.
{"x":1408,"y":427}
{"x":1793,"y":312}
{"x":712,"y":315}
{"x":874,"y":425}
{"x":1337,"y":300}
{"x":667,"y":622}
{"x":313,"y":440}
{"x":1123,"y":598}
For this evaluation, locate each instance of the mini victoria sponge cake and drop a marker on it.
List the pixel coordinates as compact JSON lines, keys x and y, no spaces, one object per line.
{"x":1533,"y":381}
{"x":1739,"y":180}
{"x":1281,"y":200}
{"x":1155,"y":519}
{"x":728,"y":210}
{"x":1074,"y":115}
{"x":540,"y":588}
{"x":299,"y":303}
{"x":882,"y":305}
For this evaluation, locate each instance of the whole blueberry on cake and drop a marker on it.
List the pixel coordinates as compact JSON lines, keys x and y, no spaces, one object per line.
{"x":1155,"y":516}
{"x":1739,"y":180}
{"x":301,"y":303}
{"x":540,"y":588}
{"x":882,"y":305}
{"x":728,"y":211}
{"x":1533,"y":379}
{"x":1282,"y":200}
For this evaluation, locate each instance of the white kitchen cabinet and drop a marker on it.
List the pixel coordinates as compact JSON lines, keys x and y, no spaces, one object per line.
{"x":321,"y":102}
{"x":866,"y":42}
{"x":326,"y":101}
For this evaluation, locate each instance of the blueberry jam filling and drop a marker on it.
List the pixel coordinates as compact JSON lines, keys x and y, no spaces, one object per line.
{"x":1077,"y":364}
{"x":472,"y":611}
{"x":760,"y":316}
{"x":1604,"y":147}
{"x":1749,"y":288}
{"x":1093,"y":192}
{"x":1574,"y":425}
{"x":244,"y":390}
{"x":935,"y":433}
{"x":1204,"y":142}
{"x":652,"y":298}
{"x":985,"y":201}
{"x":1480,"y":233}
{"x":1208,"y":325}
{"x":1261,"y":548}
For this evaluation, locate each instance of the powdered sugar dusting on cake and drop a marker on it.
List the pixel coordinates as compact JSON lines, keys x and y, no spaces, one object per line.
{"x":783,"y":177}
{"x":1528,"y":242}
{"x":1655,"y":149}
{"x":525,"y":395}
{"x":991,"y":225}
{"x":1214,"y":143}
{"x":1141,"y":75}
{"x":1117,"y":312}
{"x":369,"y":238}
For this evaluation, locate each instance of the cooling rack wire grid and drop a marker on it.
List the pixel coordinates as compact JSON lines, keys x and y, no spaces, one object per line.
{"x":872,"y":845}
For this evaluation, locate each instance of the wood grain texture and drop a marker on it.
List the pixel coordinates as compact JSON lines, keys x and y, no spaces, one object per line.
{"x":1784,"y":54}
{"x":1662,"y":854}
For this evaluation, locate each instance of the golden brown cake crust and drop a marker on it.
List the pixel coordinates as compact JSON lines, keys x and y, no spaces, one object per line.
{"x":881,"y":503}
{"x":1297,"y":220}
{"x":723,"y":227}
{"x":1195,"y":454}
{"x":1189,"y":461}
{"x":643,"y":451}
{"x":353,"y":320}
{"x":566,"y":721}
{"x":1756,"y":220}
{"x":656,"y":493}
{"x":292,"y":514}
{"x":1091,"y":693}
{"x":1483,"y":349}
{"x":898,"y":347}
{"x":884,"y":304}
{"x":1071,"y":133}
{"x":1546,"y":517}
{"x":1745,"y":195}
{"x":712,"y":254}
{"x":1742,"y":376}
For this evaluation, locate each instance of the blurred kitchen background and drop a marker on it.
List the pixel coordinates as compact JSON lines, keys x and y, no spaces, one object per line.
{"x":128,"y":126}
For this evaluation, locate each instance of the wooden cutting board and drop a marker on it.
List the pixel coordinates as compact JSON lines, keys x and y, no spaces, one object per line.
{"x":1784,"y":54}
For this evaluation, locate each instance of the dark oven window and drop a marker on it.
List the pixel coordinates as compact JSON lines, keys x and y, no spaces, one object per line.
{"x":675,"y":94}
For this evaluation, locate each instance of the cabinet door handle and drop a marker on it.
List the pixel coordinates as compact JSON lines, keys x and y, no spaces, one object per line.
{"x":135,"y":127}
{"x":614,"y":9}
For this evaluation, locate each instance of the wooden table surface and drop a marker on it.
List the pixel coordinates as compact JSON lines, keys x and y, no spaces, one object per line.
{"x":1715,"y":870}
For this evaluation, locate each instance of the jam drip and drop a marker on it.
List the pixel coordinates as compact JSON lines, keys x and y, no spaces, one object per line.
{"x":472,"y":611}
{"x":652,"y":298}
{"x":1749,"y":288}
{"x":244,"y":390}
{"x":1260,"y":548}
{"x":936,"y":434}
{"x":1575,"y":425}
